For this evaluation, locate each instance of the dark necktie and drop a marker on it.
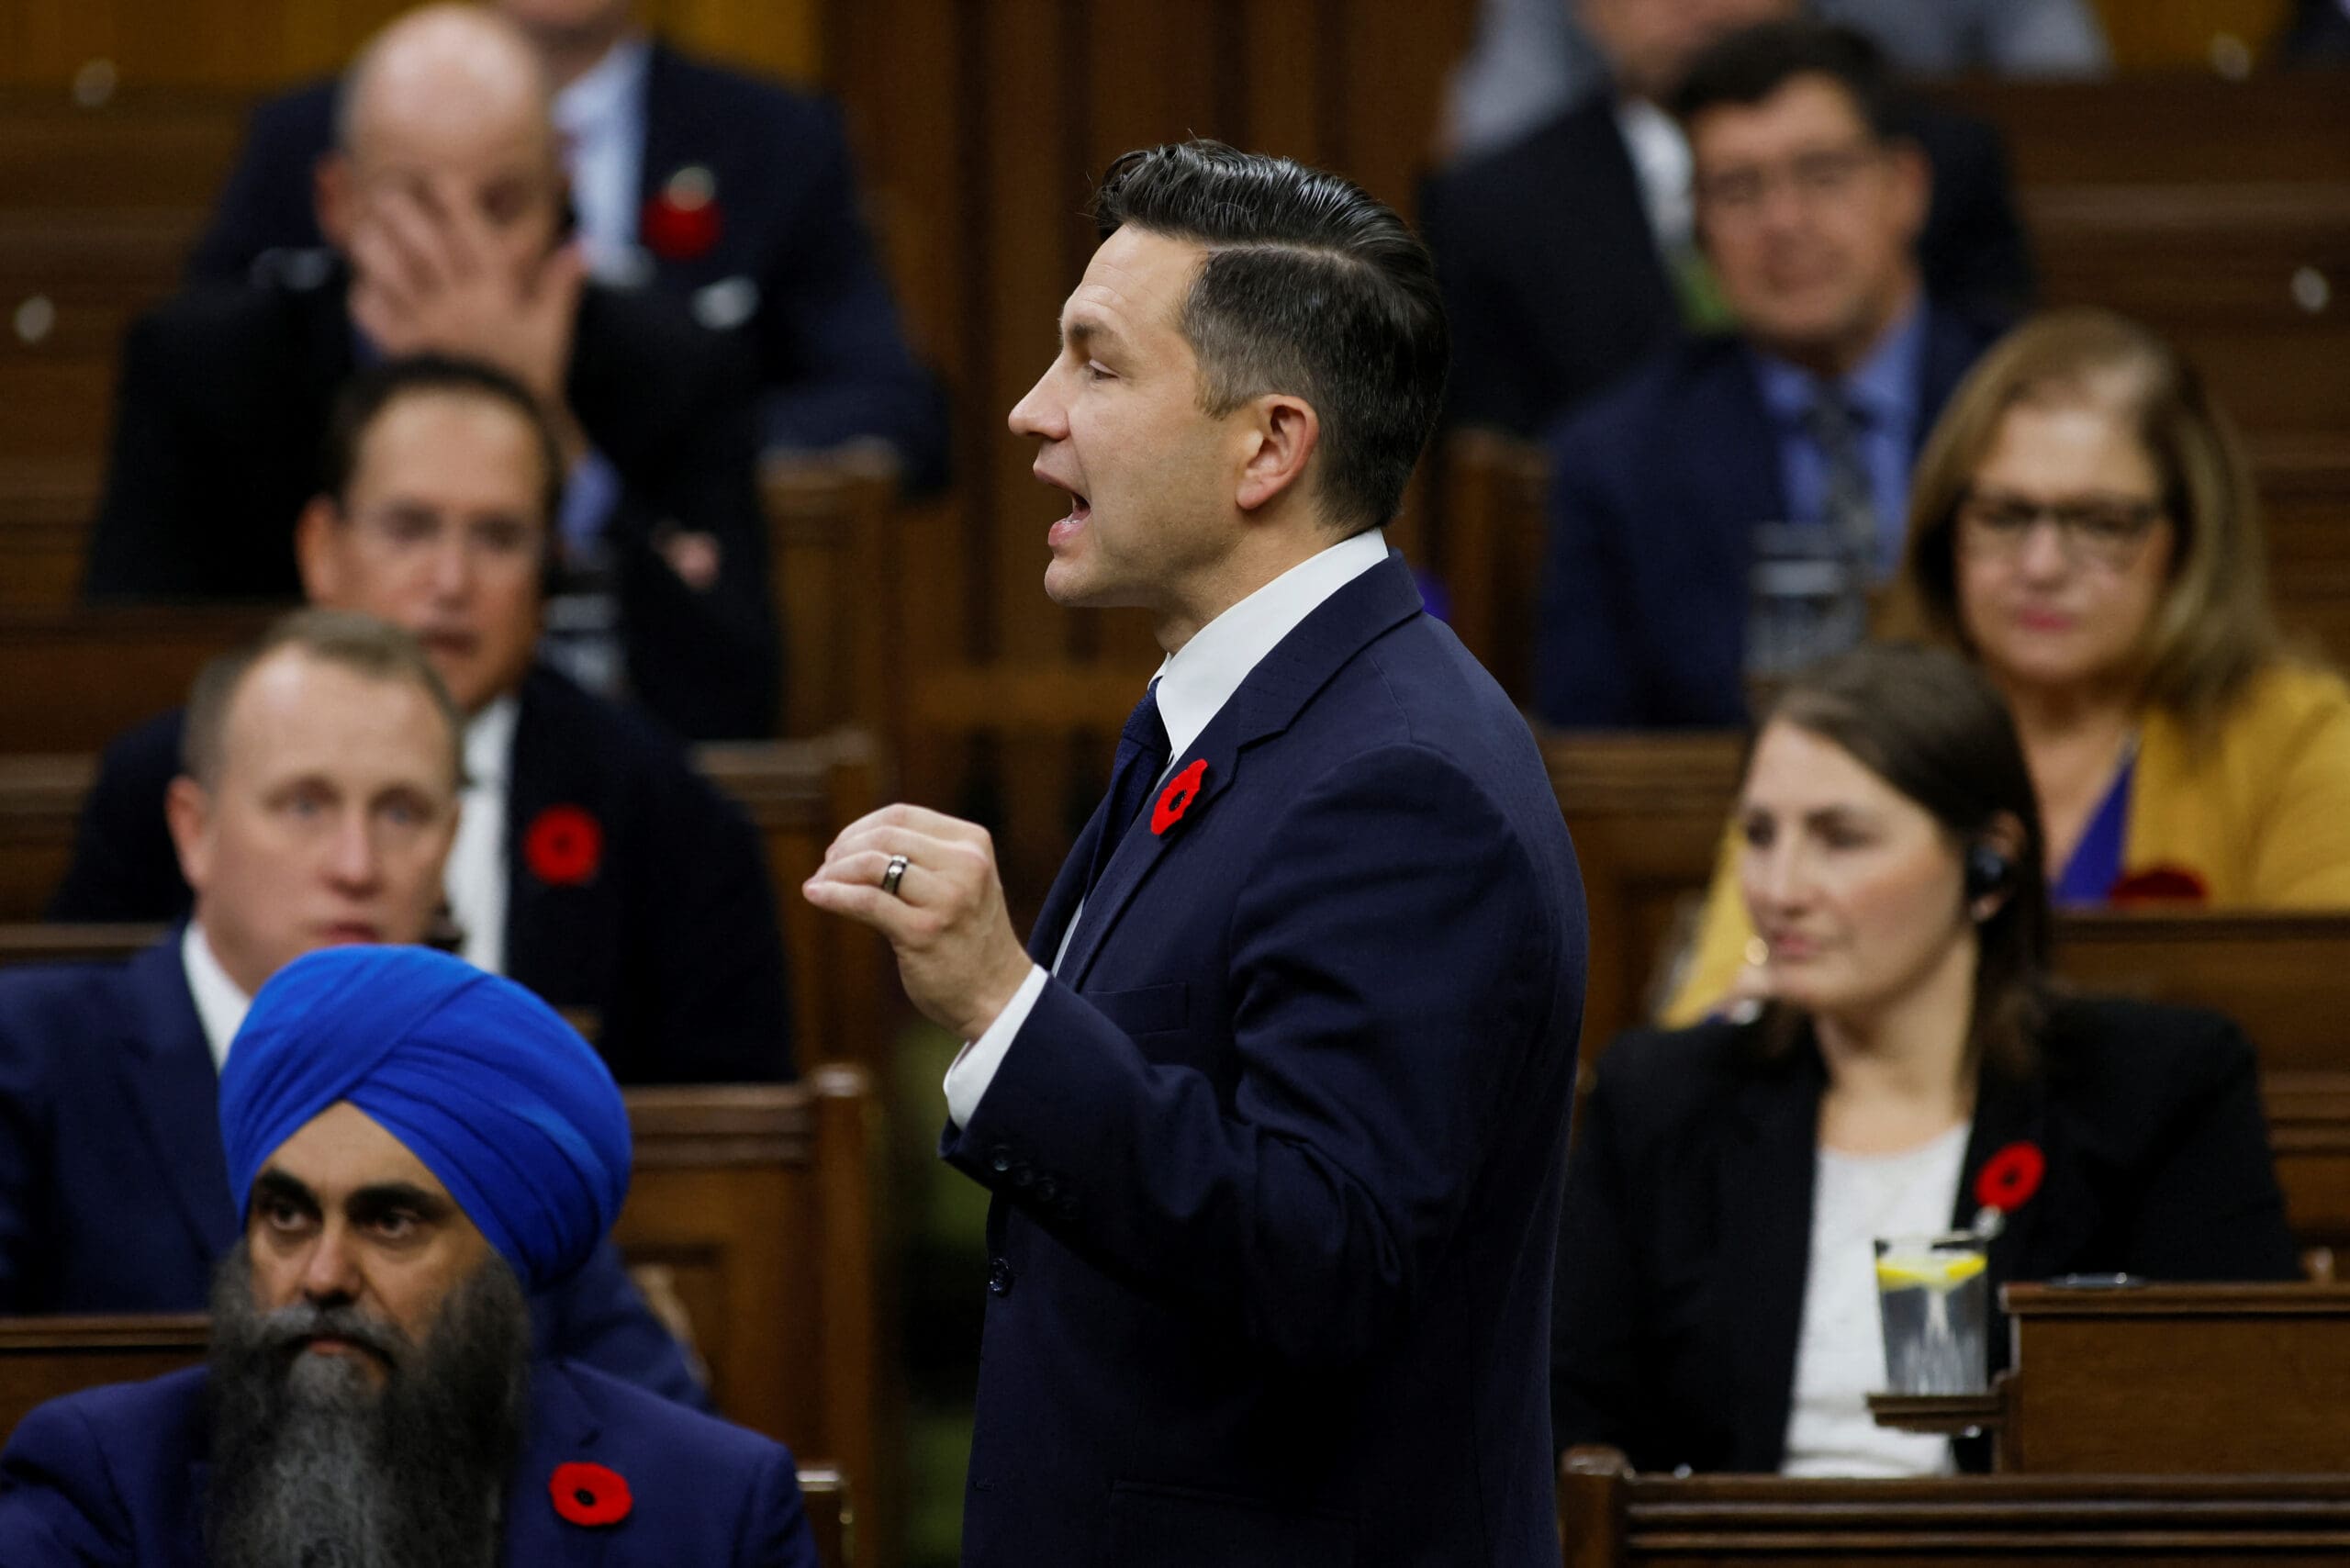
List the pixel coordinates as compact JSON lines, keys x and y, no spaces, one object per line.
{"x":1848,"y":505}
{"x":1142,"y":757}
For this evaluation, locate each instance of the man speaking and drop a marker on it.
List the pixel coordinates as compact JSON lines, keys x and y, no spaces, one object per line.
{"x":1273,"y":1105}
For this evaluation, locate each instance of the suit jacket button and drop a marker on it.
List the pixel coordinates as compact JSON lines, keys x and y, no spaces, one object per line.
{"x":999,"y":1162}
{"x":1045,"y":1188}
{"x":998,"y":1276}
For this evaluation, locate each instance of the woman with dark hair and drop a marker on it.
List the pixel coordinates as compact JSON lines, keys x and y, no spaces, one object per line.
{"x":2083,"y":526}
{"x":1716,"y":1300}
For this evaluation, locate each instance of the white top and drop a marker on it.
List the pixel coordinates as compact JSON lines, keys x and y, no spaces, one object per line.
{"x":1840,"y":1357}
{"x":220,"y":1005}
{"x":1195,"y":683}
{"x":601,"y":116}
{"x":475,"y":878}
{"x":1661,"y":157}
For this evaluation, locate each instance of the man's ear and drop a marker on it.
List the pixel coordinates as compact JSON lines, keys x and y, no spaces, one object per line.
{"x":1283,"y":433}
{"x":332,"y":196}
{"x":314,"y":551}
{"x":188,"y":811}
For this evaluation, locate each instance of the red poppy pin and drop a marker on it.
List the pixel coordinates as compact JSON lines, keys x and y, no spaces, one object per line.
{"x":563,"y":846}
{"x":2010,"y":1177}
{"x":1177,"y":797}
{"x":589,"y":1495}
{"x":682,"y":222}
{"x":2159,"y":884}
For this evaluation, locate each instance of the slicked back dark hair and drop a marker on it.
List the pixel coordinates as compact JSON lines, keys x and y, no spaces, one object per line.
{"x":1753,"y":64}
{"x":1312,"y":288}
{"x":368,"y":393}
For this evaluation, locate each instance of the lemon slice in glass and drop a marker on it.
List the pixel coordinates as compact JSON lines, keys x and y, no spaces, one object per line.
{"x":1935,"y":1273}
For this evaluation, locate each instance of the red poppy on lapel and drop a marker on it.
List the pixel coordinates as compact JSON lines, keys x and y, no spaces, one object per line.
{"x":2010,"y":1177}
{"x":589,"y":1495}
{"x":563,"y":846}
{"x":2159,"y":884}
{"x":682,"y":222}
{"x":1177,"y":797}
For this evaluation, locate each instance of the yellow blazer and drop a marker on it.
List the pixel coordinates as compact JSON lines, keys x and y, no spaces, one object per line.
{"x":2260,"y":813}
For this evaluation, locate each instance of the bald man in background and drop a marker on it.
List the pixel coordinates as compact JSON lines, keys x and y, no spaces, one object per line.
{"x":444,"y":202}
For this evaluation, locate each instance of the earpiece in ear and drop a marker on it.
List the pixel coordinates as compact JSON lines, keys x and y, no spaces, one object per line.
{"x":1987,"y":871}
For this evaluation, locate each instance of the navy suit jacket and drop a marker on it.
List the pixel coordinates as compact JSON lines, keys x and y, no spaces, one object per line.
{"x":1655,"y":492}
{"x":1555,"y":288}
{"x":114,"y":1191}
{"x":1273,"y":1155}
{"x":674,"y":941}
{"x":1687,"y":1232}
{"x":824,"y":324}
{"x":116,"y":1475}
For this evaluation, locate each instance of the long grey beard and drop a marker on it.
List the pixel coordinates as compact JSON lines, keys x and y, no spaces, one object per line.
{"x":313,"y":1466}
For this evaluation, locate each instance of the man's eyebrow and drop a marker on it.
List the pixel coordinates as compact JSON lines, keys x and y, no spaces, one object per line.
{"x":275,"y":1183}
{"x":1081,"y":332}
{"x":384,"y":1195}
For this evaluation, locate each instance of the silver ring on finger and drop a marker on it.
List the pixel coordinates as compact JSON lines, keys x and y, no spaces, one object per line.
{"x":895,"y":874}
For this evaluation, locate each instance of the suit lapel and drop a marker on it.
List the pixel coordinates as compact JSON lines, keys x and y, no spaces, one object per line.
{"x":1267,"y":699}
{"x":1765,"y":1201}
{"x":175,"y":1091}
{"x":2006,"y":1112}
{"x":665,"y":153}
{"x":563,"y":1428}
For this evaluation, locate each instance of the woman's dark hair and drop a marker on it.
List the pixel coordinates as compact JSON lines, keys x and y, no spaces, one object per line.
{"x":1926,"y":722}
{"x":1312,"y":288}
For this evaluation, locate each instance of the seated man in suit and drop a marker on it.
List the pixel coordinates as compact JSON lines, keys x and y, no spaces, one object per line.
{"x":444,"y":201}
{"x":1806,"y":418}
{"x":320,"y":798}
{"x":1570,"y":255}
{"x":410,"y":1146}
{"x":732,"y":192}
{"x":593,"y":865}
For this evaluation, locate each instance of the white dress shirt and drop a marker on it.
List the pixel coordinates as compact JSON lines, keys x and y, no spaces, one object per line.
{"x":1839,"y":1356}
{"x":220,"y":1005}
{"x":1195,"y":683}
{"x":474,"y":878}
{"x":601,"y":116}
{"x":1661,"y":159}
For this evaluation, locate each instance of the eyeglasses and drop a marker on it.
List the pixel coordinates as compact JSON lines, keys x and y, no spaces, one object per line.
{"x":1821,"y":176}
{"x":2101,"y":531}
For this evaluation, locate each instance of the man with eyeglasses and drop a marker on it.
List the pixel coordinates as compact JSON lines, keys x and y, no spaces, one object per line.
{"x":591,"y":863}
{"x":1800,"y":425}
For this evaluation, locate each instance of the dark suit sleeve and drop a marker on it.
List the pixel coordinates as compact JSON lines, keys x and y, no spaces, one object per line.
{"x":144,"y":542}
{"x":1595,"y":1386}
{"x":28,"y":1157}
{"x":836,"y":359}
{"x":1583,"y":648}
{"x":1391,"y":973}
{"x":124,"y":867}
{"x":774,"y":1531}
{"x":59,"y":1505}
{"x":1974,"y":252}
{"x":599,"y":1318}
{"x":2211,"y":1207}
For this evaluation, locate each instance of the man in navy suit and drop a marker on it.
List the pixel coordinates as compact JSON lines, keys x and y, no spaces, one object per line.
{"x":1807,"y":417}
{"x":319,"y":801}
{"x":593,"y":864}
{"x":1273,"y":1106}
{"x":726,"y":190}
{"x":411,"y":1144}
{"x":1569,"y":254}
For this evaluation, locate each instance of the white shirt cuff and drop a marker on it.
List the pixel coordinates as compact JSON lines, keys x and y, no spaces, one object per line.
{"x":975,"y":1064}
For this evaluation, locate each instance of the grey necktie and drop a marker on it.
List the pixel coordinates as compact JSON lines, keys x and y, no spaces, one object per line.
{"x":1848,"y":504}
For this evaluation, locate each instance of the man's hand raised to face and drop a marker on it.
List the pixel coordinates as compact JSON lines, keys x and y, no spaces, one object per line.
{"x":434,"y":277}
{"x":956,"y":954}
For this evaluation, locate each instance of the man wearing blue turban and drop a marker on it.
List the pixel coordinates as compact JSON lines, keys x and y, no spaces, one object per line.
{"x":413,"y":1145}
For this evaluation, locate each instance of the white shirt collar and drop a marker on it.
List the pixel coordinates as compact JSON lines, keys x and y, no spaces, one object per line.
{"x":1659,"y":154}
{"x":489,"y":743}
{"x":1200,"y":677}
{"x":220,"y":1006}
{"x":606,"y":89}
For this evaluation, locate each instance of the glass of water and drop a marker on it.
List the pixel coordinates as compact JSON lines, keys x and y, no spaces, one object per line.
{"x":1935,"y":1299}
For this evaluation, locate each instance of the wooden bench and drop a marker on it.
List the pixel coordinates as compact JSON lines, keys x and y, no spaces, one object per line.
{"x":799,"y":795}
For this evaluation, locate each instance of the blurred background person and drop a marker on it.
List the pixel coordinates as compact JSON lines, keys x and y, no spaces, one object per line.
{"x":317,"y":802}
{"x":1572,"y":253}
{"x":2084,"y":526}
{"x":1717,"y":1296}
{"x":593,"y":864}
{"x":1531,"y":59}
{"x":728,"y":191}
{"x":443,"y":200}
{"x":1809,"y":412}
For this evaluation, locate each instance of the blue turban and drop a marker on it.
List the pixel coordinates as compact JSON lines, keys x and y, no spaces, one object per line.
{"x":481,"y":1081}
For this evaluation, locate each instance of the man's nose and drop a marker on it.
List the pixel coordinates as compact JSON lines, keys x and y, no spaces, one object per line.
{"x":1040,"y":412}
{"x":452,"y":565}
{"x":352,"y":859}
{"x":331,"y":1271}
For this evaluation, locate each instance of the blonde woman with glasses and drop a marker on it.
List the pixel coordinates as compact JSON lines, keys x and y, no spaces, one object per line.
{"x":2083,"y":524}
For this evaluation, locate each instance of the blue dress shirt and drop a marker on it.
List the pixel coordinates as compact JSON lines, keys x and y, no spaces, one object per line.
{"x":1882,"y":393}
